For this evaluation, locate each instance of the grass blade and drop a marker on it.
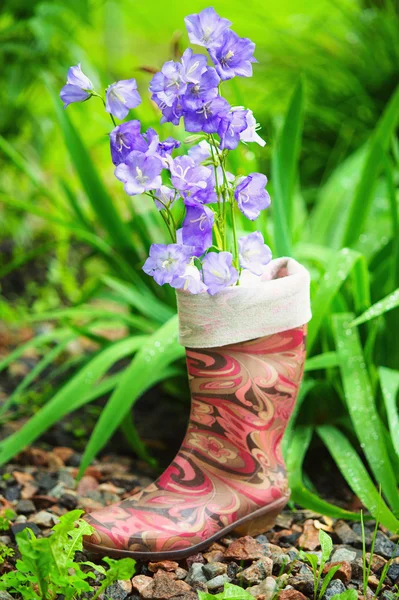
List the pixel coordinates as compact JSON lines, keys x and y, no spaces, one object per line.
{"x":328,"y":360}
{"x":69,"y":398}
{"x":356,"y":475}
{"x":361,"y":405}
{"x":284,"y":172}
{"x":378,"y":145}
{"x":390,"y":388}
{"x":146,"y":369}
{"x":379,"y":308}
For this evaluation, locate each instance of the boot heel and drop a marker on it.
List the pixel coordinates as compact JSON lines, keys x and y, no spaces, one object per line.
{"x":258,"y":524}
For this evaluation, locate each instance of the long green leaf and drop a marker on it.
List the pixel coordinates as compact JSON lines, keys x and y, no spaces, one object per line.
{"x":147,"y":367}
{"x":334,"y":276}
{"x":379,"y":308}
{"x":356,"y":475}
{"x":328,"y":360}
{"x":284,"y":172}
{"x":390,"y":388}
{"x":361,"y":405}
{"x":295,"y":455}
{"x":69,"y":398}
{"x":360,"y":206}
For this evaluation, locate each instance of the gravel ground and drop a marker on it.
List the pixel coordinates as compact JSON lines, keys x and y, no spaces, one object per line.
{"x":39,"y":486}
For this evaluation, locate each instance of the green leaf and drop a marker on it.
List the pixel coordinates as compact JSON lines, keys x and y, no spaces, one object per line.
{"x":147,"y":367}
{"x":121,"y":569}
{"x":295,"y":455}
{"x":327,"y":579}
{"x":379,"y":308}
{"x":361,"y":405}
{"x":335,"y":275}
{"x":326,"y":546}
{"x":390,"y":387}
{"x":356,"y":475}
{"x":346,"y":595}
{"x":328,"y":360}
{"x":69,"y":398}
{"x":360,"y":206}
{"x":284,"y":172}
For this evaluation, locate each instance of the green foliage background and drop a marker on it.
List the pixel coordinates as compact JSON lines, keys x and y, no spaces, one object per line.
{"x":325,"y":92}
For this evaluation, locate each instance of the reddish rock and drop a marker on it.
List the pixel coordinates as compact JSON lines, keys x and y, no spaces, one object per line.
{"x":28,"y":491}
{"x":309,"y":540}
{"x":214,"y":556}
{"x":258,"y":571}
{"x":245,"y":548}
{"x":164,"y":587}
{"x":54,"y":462}
{"x":291,"y":595}
{"x":373,"y":582}
{"x":377,"y":562}
{"x":88,"y":483}
{"x":164,"y":565}
{"x":344,"y":572}
{"x":195,"y":558}
{"x":22,"y":478}
{"x":63,"y":453}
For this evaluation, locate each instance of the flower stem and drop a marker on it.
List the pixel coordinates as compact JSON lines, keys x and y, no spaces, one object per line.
{"x":167,"y":216}
{"x":103,"y":101}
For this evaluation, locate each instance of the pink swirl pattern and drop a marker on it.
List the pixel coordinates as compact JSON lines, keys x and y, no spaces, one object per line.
{"x":230,"y":462}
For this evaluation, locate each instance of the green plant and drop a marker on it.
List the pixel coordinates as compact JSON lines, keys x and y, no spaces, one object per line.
{"x":346,"y":595}
{"x":6,"y":516}
{"x":5,"y":552}
{"x":47,"y":567}
{"x":318,"y":566}
{"x":230,"y":591}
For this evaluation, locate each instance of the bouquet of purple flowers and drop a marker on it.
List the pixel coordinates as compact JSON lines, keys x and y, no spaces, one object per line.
{"x":205,"y":254}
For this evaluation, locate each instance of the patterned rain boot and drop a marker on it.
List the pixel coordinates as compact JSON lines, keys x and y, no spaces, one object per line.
{"x":229,"y":473}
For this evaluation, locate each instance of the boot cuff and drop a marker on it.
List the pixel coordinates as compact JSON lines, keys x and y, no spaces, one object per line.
{"x":275,"y":302}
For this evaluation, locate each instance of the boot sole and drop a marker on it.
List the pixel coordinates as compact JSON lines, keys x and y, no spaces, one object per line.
{"x":257,"y":522}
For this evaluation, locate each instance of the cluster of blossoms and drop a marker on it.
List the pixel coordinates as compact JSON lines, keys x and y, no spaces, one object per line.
{"x":201,"y":257}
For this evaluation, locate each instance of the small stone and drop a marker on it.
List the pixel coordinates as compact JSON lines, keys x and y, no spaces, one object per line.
{"x":46,"y":481}
{"x":291,"y":594}
{"x":357,"y":569}
{"x":257,"y":572}
{"x":343,"y":554}
{"x":344,"y":573}
{"x":140,"y":582}
{"x":28,"y":490}
{"x":196,"y":574}
{"x":303,"y":581}
{"x":195,"y":558}
{"x":181,"y":573}
{"x":17,"y":527}
{"x":21,"y":519}
{"x":119,"y":590}
{"x":5,"y":539}
{"x":387,"y":595}
{"x":245,"y":548}
{"x":44,"y":519}
{"x":87,"y":484}
{"x":69,"y":501}
{"x":373,"y":582}
{"x":393,"y":572}
{"x":214,"y":556}
{"x":12,"y":493}
{"x":377,"y":562}
{"x":334,"y":587}
{"x":266,"y":589}
{"x":64,"y":476}
{"x":163,"y":587}
{"x":384,"y":546}
{"x":309,"y":539}
{"x":213,"y":569}
{"x":284,"y":520}
{"x":217,"y":582}
{"x":165,"y":565}
{"x":25,"y":507}
{"x":5,"y":595}
{"x":345,"y":534}
{"x":232,"y":569}
{"x":63,"y":452}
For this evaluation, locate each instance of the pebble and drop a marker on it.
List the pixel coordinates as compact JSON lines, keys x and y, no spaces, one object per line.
{"x":309,"y":539}
{"x":5,"y":539}
{"x":12,"y":492}
{"x":119,"y":590}
{"x":25,"y":507}
{"x":165,"y":565}
{"x":303,"y":582}
{"x":218,"y":581}
{"x":196,"y":574}
{"x":258,"y":571}
{"x":267,"y":589}
{"x":214,"y":569}
{"x":195,"y":558}
{"x":245,"y":548}
{"x":45,"y":519}
{"x":334,"y":587}
{"x":393,"y":572}
{"x":344,"y":573}
{"x":68,"y":500}
{"x":343,"y":554}
{"x":139,"y":582}
{"x":164,"y":587}
{"x":291,"y":594}
{"x":384,"y":546}
{"x":345,"y":534}
{"x":17,"y":527}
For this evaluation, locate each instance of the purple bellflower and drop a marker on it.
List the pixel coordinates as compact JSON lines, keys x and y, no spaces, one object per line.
{"x":78,"y":87}
{"x":208,"y":116}
{"x":166,"y":262}
{"x":189,"y":281}
{"x":254,"y":254}
{"x":205,"y":89}
{"x":121,"y":97}
{"x":197,"y":228}
{"x":139,"y":173}
{"x":230,"y":128}
{"x":218,"y":271}
{"x":172,"y":113}
{"x":193,"y":65}
{"x":233,"y":56}
{"x":125,"y":138}
{"x":187,"y":176}
{"x":168,"y":84}
{"x":250,"y":133}
{"x":200,"y":152}
{"x":166,"y":196}
{"x":251,"y":195}
{"x":206,"y":27}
